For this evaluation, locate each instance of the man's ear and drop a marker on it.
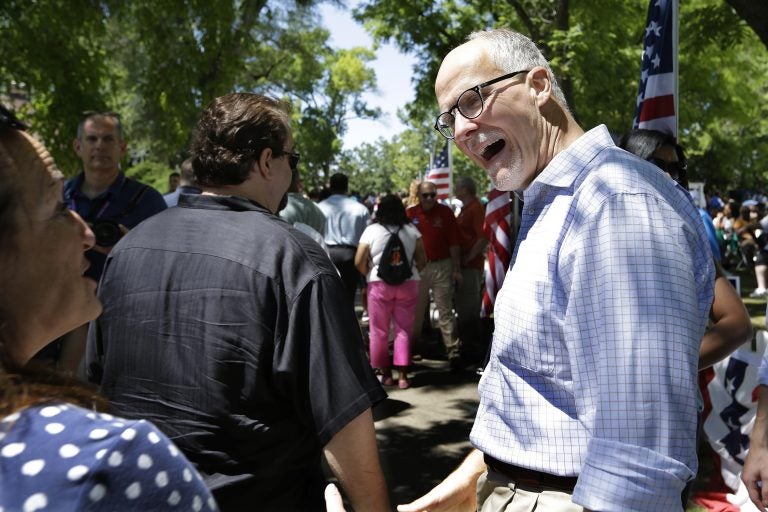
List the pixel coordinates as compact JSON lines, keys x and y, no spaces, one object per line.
{"x":541,"y":83}
{"x":123,"y":147}
{"x":76,"y":146}
{"x":264,"y":162}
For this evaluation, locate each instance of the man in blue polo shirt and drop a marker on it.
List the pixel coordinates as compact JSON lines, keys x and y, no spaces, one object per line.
{"x":101,"y":193}
{"x":110,"y":202}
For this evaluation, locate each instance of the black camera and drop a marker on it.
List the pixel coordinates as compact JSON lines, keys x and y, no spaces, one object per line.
{"x":107,"y":232}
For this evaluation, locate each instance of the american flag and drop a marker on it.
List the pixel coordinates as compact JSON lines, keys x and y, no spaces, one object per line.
{"x":498,"y":223}
{"x":730,"y":404}
{"x":440,"y":173}
{"x":657,"y":94}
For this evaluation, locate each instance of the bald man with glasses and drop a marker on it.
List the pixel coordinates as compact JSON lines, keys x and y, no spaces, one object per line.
{"x":440,"y":234}
{"x":588,"y":401}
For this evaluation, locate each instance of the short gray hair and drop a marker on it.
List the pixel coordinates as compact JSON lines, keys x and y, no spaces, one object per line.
{"x":92,"y":114}
{"x":511,"y":51}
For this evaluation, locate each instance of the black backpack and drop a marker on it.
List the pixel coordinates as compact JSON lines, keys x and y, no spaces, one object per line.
{"x":394,"y":267}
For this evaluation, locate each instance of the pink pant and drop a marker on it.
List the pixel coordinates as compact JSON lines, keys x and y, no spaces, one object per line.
{"x":387,"y":303}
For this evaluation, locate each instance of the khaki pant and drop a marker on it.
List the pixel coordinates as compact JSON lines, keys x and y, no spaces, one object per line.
{"x":495,"y":493}
{"x":437,"y":276}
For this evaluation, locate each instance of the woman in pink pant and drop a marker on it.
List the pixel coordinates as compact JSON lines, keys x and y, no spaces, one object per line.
{"x":390,"y":303}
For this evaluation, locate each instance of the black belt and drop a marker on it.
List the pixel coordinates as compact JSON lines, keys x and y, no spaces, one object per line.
{"x":343,"y":246}
{"x":435,"y":261}
{"x":532,"y":477}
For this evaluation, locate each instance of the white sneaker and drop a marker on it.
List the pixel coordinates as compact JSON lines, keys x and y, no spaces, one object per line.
{"x":759,"y":293}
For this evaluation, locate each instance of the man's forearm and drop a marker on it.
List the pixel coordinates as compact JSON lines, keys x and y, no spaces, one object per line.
{"x":353,"y":457}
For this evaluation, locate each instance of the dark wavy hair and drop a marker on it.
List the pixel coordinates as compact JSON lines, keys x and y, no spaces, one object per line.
{"x":232,"y":132}
{"x":391,"y":211}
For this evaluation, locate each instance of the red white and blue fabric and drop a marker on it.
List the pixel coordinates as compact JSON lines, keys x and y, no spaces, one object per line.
{"x":440,"y":174}
{"x":729,"y":390}
{"x":498,"y":222}
{"x":656,"y":108}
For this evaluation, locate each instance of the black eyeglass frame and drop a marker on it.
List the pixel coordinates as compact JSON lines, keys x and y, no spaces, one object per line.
{"x":293,"y":158}
{"x":430,"y":195}
{"x":476,"y":89}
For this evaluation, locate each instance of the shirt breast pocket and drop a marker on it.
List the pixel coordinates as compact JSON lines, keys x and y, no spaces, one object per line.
{"x":531,"y":335}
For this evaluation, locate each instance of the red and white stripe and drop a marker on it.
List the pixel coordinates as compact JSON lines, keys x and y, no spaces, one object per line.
{"x":498,"y":223}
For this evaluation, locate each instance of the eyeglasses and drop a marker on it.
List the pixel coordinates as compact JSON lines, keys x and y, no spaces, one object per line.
{"x":429,"y":195}
{"x":469,"y":105}
{"x":293,"y":158}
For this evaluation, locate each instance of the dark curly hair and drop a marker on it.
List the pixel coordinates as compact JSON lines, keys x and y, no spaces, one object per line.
{"x":391,"y":211}
{"x":232,"y":132}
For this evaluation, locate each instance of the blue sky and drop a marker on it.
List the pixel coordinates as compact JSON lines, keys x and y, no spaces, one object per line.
{"x":393,"y":74}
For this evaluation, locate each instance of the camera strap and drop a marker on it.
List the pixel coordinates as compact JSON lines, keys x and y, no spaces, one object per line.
{"x":128,"y":208}
{"x":134,"y":200}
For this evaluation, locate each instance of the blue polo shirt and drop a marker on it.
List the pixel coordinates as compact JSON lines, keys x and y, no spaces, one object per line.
{"x":113,"y":204}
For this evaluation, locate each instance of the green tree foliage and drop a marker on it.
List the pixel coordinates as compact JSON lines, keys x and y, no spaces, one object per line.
{"x":153,"y":174}
{"x":159,"y":63}
{"x":594,"y":48}
{"x":49,"y":55}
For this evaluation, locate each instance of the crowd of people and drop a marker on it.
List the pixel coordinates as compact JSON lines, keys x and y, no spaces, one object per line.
{"x":224,"y":358}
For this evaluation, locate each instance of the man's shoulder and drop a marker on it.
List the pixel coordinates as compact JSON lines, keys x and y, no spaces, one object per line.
{"x":146,"y":197}
{"x":71,"y":184}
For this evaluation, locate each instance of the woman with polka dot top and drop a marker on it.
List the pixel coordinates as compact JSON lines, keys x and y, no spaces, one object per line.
{"x":56,"y":453}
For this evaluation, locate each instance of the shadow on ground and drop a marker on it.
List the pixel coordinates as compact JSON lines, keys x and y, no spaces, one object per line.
{"x":423,"y":433}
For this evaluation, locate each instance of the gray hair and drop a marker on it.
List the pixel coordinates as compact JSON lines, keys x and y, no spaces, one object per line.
{"x":92,"y":114}
{"x":511,"y":51}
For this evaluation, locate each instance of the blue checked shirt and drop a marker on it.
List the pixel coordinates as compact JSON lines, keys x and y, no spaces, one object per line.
{"x":598,"y":325}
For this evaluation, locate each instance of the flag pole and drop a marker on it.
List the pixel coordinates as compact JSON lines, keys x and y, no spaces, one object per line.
{"x":675,"y":39}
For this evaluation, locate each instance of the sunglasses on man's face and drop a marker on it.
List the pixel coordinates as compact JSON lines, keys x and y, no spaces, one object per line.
{"x":429,"y":195}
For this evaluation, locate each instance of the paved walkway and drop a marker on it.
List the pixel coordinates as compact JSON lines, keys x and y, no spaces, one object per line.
{"x":423,"y":431}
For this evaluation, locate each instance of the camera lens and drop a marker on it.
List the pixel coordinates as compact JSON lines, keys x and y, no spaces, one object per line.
{"x":107,"y":232}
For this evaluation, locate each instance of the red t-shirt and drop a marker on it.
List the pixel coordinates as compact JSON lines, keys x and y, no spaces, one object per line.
{"x":470,"y":222}
{"x":438,"y":228}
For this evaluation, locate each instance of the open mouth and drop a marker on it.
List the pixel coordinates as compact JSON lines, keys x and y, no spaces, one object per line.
{"x":493,"y":149}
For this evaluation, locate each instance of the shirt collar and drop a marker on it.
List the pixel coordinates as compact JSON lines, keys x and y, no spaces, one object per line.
{"x":565,"y":168}
{"x":113,"y":190}
{"x":217,"y":202}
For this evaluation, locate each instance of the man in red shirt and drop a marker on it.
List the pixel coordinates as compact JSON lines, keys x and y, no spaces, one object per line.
{"x":440,"y":235}
{"x":469,"y":294}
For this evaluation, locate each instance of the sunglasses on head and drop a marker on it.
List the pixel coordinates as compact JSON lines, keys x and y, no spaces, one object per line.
{"x":8,"y":120}
{"x":428,"y":195}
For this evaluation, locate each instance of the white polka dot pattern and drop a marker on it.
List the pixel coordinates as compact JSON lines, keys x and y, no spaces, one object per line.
{"x":77,"y":472}
{"x":68,"y":451}
{"x":161,"y":479}
{"x":33,"y":467}
{"x":50,"y":412}
{"x":133,"y":491}
{"x":35,"y":502}
{"x":97,"y":493}
{"x":12,"y":449}
{"x":54,"y":428}
{"x":73,"y":458}
{"x":145,"y":461}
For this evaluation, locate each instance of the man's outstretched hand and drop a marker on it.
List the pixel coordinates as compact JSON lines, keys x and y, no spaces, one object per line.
{"x":457,"y":493}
